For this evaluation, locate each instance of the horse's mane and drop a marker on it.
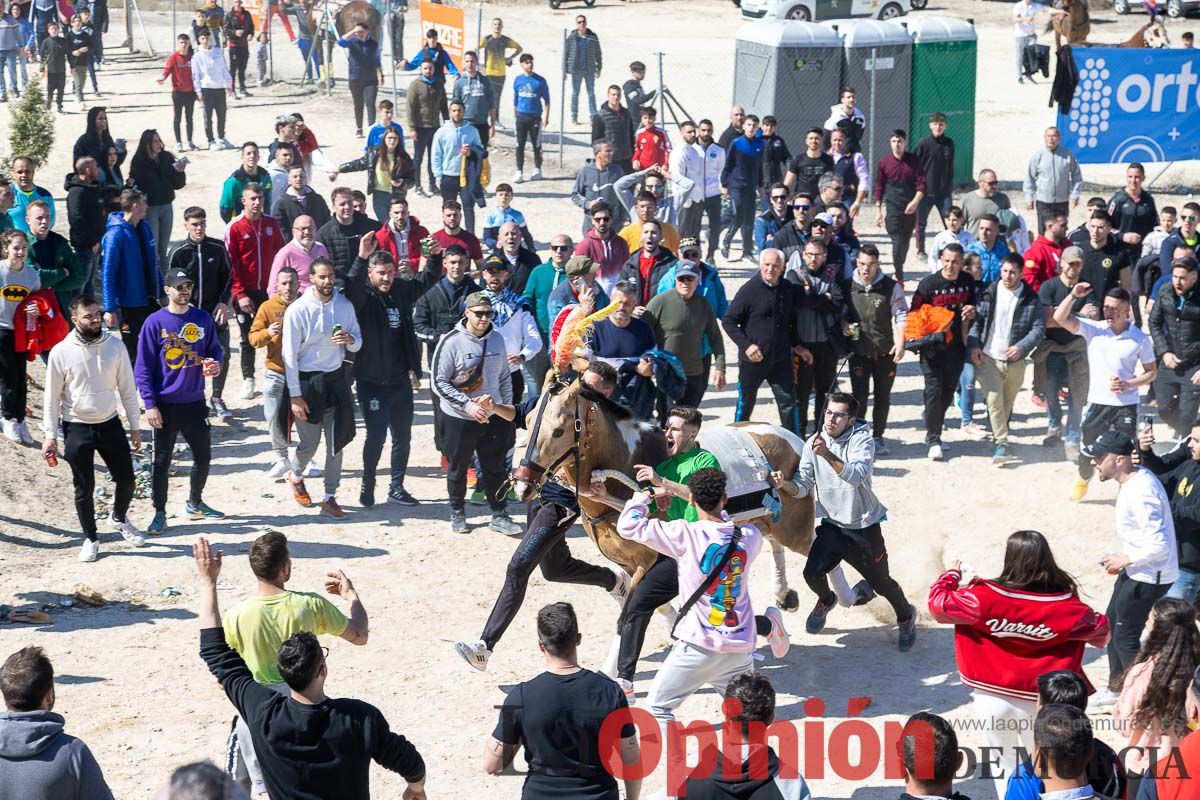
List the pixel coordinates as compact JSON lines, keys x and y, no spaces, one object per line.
{"x":610,"y":406}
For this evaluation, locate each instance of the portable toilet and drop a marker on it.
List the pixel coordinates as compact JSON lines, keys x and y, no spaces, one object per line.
{"x":943,"y":79}
{"x":877,"y":62}
{"x":790,"y":70}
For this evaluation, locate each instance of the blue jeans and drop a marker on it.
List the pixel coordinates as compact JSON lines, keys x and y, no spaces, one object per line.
{"x":1058,"y":376}
{"x":966,"y":392}
{"x":312,"y":65}
{"x":160,"y":219}
{"x":589,"y":82}
{"x":1185,"y":586}
{"x":386,"y":407}
{"x":89,"y":262}
{"x":8,"y":60}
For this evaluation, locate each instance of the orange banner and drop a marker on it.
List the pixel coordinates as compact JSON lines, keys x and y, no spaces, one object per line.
{"x":448,"y":21}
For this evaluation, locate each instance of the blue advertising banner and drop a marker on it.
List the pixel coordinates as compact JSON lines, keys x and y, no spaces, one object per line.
{"x":1134,"y":105}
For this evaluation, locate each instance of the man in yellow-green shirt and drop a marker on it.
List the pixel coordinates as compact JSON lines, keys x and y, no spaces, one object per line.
{"x":257,"y":626}
{"x":493,"y":50}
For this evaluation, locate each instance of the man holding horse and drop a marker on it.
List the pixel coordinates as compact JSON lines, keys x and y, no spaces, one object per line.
{"x":544,"y":544}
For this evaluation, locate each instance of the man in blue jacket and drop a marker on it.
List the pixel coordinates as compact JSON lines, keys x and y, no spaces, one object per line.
{"x":432,"y":51}
{"x":451,"y":144}
{"x":739,"y":182}
{"x":130,"y":282}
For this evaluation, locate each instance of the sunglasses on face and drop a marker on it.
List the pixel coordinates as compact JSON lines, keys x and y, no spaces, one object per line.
{"x":601,"y":219}
{"x":779,"y":197}
{"x":802,"y":207}
{"x":1189,"y":218}
{"x":480,"y":314}
{"x":560,"y":247}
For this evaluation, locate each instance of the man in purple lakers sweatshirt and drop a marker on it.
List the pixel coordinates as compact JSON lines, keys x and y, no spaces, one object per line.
{"x":177,"y":349}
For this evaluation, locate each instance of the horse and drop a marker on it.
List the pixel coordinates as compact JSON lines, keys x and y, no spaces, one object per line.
{"x":1153,"y":34}
{"x":575,"y":433}
{"x":1072,"y":26}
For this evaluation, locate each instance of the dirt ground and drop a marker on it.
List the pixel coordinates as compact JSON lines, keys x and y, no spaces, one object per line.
{"x":130,"y":682}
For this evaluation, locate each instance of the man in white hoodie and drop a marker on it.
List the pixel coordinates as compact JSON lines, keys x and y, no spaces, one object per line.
{"x":212,"y":79}
{"x":86,"y":375}
{"x":716,"y":625}
{"x":835,"y":468}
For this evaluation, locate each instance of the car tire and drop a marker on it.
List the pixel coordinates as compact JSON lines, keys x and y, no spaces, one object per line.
{"x":891,"y":11}
{"x":919,"y":4}
{"x":800,"y":14}
{"x":556,"y":4}
{"x":1175,"y":9}
{"x":1120,"y":6}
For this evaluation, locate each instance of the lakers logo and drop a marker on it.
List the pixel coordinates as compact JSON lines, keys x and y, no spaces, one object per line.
{"x":191,"y":333}
{"x":14,"y":292}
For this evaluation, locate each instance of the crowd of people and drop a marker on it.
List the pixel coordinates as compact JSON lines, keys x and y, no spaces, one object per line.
{"x":355,"y":302}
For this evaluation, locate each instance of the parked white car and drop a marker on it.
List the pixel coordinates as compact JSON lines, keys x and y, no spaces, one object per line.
{"x":821,"y":10}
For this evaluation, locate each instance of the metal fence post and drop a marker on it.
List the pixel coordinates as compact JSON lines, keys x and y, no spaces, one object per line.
{"x":870,"y":131}
{"x":562,"y":106}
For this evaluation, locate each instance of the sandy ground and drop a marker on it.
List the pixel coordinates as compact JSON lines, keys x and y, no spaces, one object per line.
{"x":130,"y":682}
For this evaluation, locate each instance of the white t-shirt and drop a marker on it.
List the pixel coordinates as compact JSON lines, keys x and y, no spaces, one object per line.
{"x":1024,"y":16}
{"x":1002,"y":320}
{"x":1146,"y":529}
{"x":1110,"y":354}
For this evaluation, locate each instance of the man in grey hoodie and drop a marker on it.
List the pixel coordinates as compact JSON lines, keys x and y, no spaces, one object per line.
{"x":595,"y":183}
{"x":37,"y":760}
{"x":835,"y":468}
{"x":470,"y":364}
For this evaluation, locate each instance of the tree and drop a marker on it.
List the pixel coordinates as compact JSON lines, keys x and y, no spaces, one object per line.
{"x":31,"y":128}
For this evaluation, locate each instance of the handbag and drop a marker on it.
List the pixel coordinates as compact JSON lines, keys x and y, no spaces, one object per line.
{"x":472,"y":381}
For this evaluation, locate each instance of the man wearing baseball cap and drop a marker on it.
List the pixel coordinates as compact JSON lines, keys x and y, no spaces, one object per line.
{"x":470,"y":364}
{"x":682,"y":320}
{"x":177,"y":349}
{"x":1062,"y":355}
{"x":1148,"y":562}
{"x":581,"y":280}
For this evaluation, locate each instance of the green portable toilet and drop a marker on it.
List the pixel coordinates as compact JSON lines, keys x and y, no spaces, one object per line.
{"x":943,"y":79}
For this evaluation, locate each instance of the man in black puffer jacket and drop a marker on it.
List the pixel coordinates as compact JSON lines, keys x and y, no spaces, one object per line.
{"x":437,"y":312}
{"x":613,"y":124}
{"x":86,"y":217}
{"x":340,"y":234}
{"x":1175,"y":328}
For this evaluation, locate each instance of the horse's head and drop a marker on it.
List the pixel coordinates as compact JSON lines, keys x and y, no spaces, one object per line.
{"x":555,"y":430}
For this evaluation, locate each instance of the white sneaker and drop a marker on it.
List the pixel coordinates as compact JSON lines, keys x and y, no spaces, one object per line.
{"x":518,"y":178}
{"x":475,"y":654}
{"x":179,"y":148}
{"x":313,"y":470}
{"x":936,"y":453}
{"x":537,"y":175}
{"x":628,"y":690}
{"x":128,"y":532}
{"x":23,"y":432}
{"x":279,"y":470}
{"x":11,"y":431}
{"x":214,"y":145}
{"x":90,"y":551}
{"x":778,"y":637}
{"x":621,"y":590}
{"x":225,"y":143}
{"x":248,"y":389}
{"x":1103,"y":699}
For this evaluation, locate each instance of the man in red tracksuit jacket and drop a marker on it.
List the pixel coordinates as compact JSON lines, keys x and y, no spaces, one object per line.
{"x":1041,"y":259}
{"x":402,"y":226}
{"x":252,"y":240}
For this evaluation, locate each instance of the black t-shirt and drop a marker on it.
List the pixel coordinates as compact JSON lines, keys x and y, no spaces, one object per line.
{"x":1053,"y":292}
{"x":1129,"y":215}
{"x":557,"y":719}
{"x":1102,"y":267}
{"x":808,"y":171}
{"x":937,"y":291}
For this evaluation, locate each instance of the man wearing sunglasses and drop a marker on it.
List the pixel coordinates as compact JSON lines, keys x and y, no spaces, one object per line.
{"x":791,"y":238}
{"x":544,"y":279}
{"x":835,"y":468}
{"x":777,"y":215}
{"x":603,"y":245}
{"x":984,"y":200}
{"x":1184,"y":235}
{"x":469,"y":364}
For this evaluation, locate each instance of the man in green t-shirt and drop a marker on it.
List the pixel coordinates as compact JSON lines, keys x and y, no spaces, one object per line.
{"x":257,"y":626}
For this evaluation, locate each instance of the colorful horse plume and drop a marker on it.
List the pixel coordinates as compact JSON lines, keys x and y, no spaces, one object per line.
{"x":570,"y":331}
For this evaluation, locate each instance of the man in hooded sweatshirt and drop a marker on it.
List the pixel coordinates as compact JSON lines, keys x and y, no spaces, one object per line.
{"x":38,"y":761}
{"x":596,"y":183}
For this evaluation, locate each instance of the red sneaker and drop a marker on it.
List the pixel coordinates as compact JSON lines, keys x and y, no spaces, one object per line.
{"x":330,"y":508}
{"x":471,"y":478}
{"x":300,"y":493}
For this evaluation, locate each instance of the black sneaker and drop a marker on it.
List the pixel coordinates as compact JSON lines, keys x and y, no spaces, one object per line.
{"x":366,"y":496}
{"x":908,"y":631}
{"x":400,"y":496}
{"x":816,"y":620}
{"x":863,"y":593}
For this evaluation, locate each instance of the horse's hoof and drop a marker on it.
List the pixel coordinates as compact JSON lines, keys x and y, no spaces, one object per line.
{"x":789,"y":601}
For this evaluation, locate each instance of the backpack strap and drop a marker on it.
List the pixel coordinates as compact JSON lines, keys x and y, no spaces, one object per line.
{"x":710,"y":577}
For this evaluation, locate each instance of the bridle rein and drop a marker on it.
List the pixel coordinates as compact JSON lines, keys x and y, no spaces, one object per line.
{"x":533,"y":473}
